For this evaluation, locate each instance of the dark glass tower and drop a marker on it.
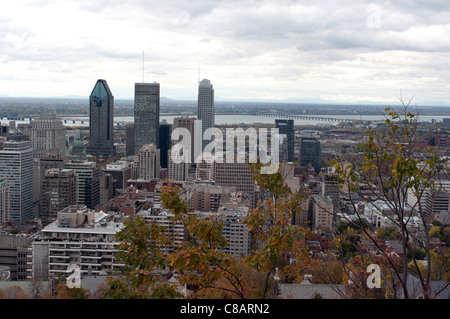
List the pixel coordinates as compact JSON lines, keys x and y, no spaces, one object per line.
{"x":165,"y":142}
{"x":286,"y":127}
{"x":101,"y":121}
{"x":146,"y":115}
{"x":310,"y":152}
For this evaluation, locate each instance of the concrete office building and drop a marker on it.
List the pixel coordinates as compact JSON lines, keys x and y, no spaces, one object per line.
{"x":14,"y":253}
{"x":47,"y":133}
{"x":59,"y":190}
{"x":101,"y":121}
{"x":121,"y":173}
{"x":16,"y":167}
{"x":146,"y":115}
{"x":238,"y":175}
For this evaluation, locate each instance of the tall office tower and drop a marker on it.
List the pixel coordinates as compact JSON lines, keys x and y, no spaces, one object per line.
{"x":59,"y":190}
{"x":165,"y":129}
{"x":205,"y":108}
{"x":310,"y":152}
{"x":129,"y":145}
{"x":16,"y":167}
{"x":4,"y":201}
{"x":188,"y":123}
{"x":286,"y":127}
{"x":47,"y":132}
{"x":149,"y":162}
{"x":88,"y":182}
{"x":177,"y":171}
{"x":146,"y":115}
{"x":101,"y":121}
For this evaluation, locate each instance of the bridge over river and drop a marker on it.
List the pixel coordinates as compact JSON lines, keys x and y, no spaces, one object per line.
{"x":305,"y":117}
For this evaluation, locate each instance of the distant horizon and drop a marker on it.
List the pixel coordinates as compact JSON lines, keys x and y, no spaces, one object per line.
{"x":249,"y":100}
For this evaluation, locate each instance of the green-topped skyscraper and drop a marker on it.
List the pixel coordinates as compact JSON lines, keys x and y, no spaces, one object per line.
{"x":101,"y":121}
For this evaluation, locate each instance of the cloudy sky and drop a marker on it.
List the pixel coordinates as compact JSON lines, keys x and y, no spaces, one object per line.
{"x":336,"y":50}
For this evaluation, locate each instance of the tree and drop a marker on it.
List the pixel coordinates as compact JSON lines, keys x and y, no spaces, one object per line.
{"x":145,"y":274}
{"x":270,"y":224}
{"x":390,"y":171}
{"x":200,"y":260}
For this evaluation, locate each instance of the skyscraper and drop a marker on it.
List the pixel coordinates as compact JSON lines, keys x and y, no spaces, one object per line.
{"x":47,"y":132}
{"x":165,"y":130}
{"x":101,"y":121}
{"x":188,"y":123}
{"x":146,"y":115}
{"x":286,"y":127}
{"x":129,"y":128}
{"x":310,"y":152}
{"x":205,"y":107}
{"x":16,"y":167}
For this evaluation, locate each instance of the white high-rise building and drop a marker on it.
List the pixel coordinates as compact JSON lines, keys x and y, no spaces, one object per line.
{"x":47,"y":132}
{"x":148,"y":162}
{"x":205,"y":107}
{"x":177,"y":171}
{"x":78,"y":237}
{"x":16,"y":167}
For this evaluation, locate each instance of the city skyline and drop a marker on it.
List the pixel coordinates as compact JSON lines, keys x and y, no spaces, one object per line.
{"x":339,"y":51}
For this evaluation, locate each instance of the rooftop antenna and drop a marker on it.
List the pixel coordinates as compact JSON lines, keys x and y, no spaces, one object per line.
{"x":199,"y":73}
{"x":143,"y":66}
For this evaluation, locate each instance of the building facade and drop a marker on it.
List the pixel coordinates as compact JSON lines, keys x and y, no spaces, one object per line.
{"x":165,"y":142}
{"x":4,"y":201}
{"x":188,"y":123}
{"x":286,"y":127}
{"x":146,"y":114}
{"x":101,"y":121}
{"x":205,"y":109}
{"x":16,"y":167}
{"x":59,"y":190}
{"x":177,"y":171}
{"x":79,"y":236}
{"x":238,"y":175}
{"x":88,"y":182}
{"x":47,"y":132}
{"x":310,"y":152}
{"x":149,"y":162}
